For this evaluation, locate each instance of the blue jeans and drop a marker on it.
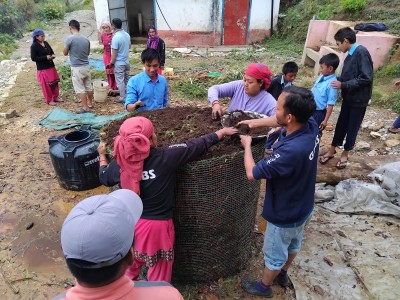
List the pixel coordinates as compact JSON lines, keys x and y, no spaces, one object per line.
{"x":279,"y":242}
{"x":396,"y":123}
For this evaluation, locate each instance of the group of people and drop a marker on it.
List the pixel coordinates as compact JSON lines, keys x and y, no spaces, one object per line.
{"x":106,"y":239}
{"x":116,"y":43}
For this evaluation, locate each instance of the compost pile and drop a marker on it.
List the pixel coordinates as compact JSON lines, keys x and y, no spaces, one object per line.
{"x":178,"y":124}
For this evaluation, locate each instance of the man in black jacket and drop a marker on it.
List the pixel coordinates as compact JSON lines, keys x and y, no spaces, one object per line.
{"x":355,"y":83}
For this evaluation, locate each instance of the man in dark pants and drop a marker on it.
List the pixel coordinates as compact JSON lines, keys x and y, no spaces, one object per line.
{"x":355,"y":83}
{"x":290,"y":172}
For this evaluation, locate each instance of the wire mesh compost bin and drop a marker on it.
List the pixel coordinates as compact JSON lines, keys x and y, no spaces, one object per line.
{"x":215,"y":204}
{"x":214,"y":217}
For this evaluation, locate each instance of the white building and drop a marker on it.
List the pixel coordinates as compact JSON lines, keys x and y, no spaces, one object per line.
{"x":194,"y":22}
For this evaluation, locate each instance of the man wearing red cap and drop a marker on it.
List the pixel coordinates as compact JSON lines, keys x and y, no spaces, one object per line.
{"x":150,"y":171}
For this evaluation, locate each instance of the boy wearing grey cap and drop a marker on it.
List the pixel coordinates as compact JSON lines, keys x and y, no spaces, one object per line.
{"x":97,"y":240}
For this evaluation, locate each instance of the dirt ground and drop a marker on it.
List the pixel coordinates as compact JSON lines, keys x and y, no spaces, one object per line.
{"x":33,"y":205}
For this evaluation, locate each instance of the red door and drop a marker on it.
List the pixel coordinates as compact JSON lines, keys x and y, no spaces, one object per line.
{"x":236,"y":13}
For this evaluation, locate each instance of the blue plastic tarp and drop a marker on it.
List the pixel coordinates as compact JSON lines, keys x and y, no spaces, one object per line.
{"x":95,"y":63}
{"x":60,"y":119}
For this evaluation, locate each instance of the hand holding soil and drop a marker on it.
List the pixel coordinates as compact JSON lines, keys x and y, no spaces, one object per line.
{"x":226,"y":131}
{"x":243,"y":122}
{"x":216,"y":111}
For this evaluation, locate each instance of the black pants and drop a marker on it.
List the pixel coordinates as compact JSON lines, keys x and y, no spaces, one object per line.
{"x":348,"y":124}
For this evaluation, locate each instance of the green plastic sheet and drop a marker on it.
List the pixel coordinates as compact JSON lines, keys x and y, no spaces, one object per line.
{"x":60,"y":119}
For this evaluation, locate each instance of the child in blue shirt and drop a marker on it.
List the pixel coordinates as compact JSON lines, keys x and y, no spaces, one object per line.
{"x":279,"y":82}
{"x":355,"y":84}
{"x":324,"y":94}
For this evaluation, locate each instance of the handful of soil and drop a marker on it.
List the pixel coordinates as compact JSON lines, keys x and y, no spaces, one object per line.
{"x":233,"y":118}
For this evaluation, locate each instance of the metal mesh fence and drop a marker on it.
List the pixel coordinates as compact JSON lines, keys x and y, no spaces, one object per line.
{"x":215,"y":210}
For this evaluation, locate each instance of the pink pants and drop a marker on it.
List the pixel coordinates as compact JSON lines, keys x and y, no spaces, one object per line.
{"x":47,"y":79}
{"x":161,"y":271}
{"x":154,"y":247}
{"x":112,"y":84}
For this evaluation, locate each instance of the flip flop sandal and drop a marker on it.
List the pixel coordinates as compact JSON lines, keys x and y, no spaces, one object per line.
{"x":341,"y":164}
{"x":90,"y":106}
{"x":324,"y":159}
{"x":394,"y":130}
{"x":82,"y":111}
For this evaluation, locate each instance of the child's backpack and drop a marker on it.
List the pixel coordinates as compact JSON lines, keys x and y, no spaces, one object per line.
{"x":370,"y":27}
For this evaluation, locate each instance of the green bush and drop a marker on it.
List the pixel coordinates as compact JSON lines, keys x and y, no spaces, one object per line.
{"x":10,"y":17}
{"x":33,"y":24}
{"x":25,"y":9}
{"x":352,"y":5}
{"x":325,"y":11}
{"x":53,"y":10}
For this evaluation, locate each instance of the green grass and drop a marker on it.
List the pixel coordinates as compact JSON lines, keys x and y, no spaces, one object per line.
{"x":98,"y":74}
{"x":64,"y":71}
{"x":7,"y":45}
{"x":192,"y":88}
{"x":98,"y":50}
{"x":283,"y":45}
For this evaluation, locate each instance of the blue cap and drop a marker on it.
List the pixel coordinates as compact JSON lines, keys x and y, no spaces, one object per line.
{"x":100,"y":229}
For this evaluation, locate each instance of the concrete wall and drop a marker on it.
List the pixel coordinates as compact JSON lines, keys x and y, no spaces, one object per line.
{"x":320,"y":41}
{"x":260,"y":19}
{"x":196,"y":22}
{"x":193,"y":22}
{"x":101,"y":11}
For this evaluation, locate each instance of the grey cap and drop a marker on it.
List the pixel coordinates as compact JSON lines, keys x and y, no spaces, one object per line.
{"x":100,"y":229}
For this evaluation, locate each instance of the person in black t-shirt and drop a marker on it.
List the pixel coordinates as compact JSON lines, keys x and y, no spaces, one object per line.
{"x":150,"y":172}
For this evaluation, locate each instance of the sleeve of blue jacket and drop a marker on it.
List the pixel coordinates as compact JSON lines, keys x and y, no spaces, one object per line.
{"x":280,"y":164}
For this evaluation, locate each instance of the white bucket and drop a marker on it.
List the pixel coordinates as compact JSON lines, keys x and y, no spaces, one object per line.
{"x":100,"y":89}
{"x":168,"y":71}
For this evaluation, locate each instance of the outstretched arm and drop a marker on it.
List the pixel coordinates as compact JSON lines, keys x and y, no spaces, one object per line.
{"x":249,"y":162}
{"x":262,"y":122}
{"x":180,"y":154}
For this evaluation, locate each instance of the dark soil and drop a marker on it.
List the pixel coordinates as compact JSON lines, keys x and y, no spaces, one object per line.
{"x":236,"y":116}
{"x":179,"y":124}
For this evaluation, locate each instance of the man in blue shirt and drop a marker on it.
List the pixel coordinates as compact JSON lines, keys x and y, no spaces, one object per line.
{"x":325,"y":95}
{"x":291,"y":173}
{"x":147,"y":90}
{"x":120,"y":45}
